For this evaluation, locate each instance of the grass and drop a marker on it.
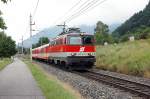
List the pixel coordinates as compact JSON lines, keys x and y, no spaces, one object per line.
{"x":129,"y":58}
{"x":51,"y":87}
{"x":4,"y":62}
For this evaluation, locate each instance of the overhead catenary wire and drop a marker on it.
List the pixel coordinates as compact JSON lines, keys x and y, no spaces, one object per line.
{"x":84,"y":7}
{"x":71,"y":9}
{"x":82,"y":11}
{"x":84,"y":4}
{"x":33,"y":15}
{"x":35,"y":10}
{"x":90,"y":4}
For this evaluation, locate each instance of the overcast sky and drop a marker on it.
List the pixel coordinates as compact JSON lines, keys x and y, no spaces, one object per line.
{"x":51,"y":12}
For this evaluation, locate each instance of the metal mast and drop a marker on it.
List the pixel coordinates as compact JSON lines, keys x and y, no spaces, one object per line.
{"x":31,"y":24}
{"x":64,"y":27}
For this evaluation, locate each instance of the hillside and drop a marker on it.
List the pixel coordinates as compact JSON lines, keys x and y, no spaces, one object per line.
{"x":48,"y":32}
{"x":128,"y":58}
{"x":138,"y":20}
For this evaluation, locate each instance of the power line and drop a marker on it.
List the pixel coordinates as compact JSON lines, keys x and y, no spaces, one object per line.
{"x":35,"y":10}
{"x":80,"y":7}
{"x":73,"y":7}
{"x":82,"y":11}
{"x":84,"y":8}
{"x":87,"y":5}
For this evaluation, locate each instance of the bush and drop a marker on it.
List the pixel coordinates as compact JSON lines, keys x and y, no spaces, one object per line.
{"x":7,"y":46}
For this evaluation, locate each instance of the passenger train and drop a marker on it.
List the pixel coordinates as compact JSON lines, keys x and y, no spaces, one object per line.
{"x":73,"y":50}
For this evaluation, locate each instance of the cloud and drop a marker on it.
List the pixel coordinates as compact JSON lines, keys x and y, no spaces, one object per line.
{"x":16,"y":14}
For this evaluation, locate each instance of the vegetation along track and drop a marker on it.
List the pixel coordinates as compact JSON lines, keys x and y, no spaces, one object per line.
{"x":129,"y":86}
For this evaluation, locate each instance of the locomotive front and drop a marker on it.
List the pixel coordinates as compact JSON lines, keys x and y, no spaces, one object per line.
{"x":81,"y":50}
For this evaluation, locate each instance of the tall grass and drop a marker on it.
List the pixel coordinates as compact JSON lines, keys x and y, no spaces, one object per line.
{"x":4,"y":62}
{"x":51,"y":88}
{"x":128,"y":58}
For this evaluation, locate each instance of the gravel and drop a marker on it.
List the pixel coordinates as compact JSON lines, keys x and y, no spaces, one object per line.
{"x":89,"y":89}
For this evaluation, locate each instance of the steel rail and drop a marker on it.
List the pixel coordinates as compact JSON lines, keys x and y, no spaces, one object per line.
{"x":127,"y":85}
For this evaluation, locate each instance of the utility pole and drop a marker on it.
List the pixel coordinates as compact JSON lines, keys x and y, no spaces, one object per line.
{"x":31,"y":24}
{"x":22,"y":45}
{"x":41,"y":41}
{"x":64,"y":27}
{"x":18,"y":48}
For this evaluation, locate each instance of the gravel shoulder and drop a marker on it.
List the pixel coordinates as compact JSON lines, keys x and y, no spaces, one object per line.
{"x":89,"y":89}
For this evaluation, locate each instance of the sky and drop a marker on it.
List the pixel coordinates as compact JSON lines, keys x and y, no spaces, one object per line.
{"x":52,"y":12}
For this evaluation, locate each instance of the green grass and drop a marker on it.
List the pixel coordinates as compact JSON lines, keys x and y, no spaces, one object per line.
{"x":50,"y":87}
{"x":129,"y":58}
{"x":4,"y":62}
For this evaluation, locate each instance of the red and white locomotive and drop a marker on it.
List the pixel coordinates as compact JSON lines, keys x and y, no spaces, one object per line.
{"x":73,"y":50}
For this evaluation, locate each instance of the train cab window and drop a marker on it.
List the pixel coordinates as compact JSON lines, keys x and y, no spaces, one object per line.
{"x":88,"y":39}
{"x":76,"y":40}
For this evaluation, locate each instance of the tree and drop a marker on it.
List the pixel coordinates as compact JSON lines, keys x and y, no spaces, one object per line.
{"x":7,"y":46}
{"x":2,"y":23}
{"x":5,"y":1}
{"x":42,"y":41}
{"x":102,"y":33}
{"x":101,"y":28}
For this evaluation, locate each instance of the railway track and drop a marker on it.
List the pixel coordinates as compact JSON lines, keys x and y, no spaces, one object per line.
{"x":138,"y":89}
{"x":126,"y":85}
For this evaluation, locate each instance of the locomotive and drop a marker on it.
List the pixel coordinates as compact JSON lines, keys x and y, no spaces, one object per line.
{"x":73,"y":50}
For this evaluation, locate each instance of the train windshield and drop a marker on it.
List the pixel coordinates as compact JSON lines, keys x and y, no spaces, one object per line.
{"x":75,"y":40}
{"x":81,"y":40}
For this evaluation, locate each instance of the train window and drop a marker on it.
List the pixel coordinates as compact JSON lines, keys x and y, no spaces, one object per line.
{"x":61,"y":41}
{"x":88,"y":39}
{"x":65,"y":41}
{"x":76,"y":40}
{"x":57,"y":42}
{"x":53,"y":43}
{"x":50,"y":43}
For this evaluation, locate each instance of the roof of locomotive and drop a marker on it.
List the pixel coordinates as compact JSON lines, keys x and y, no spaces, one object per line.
{"x":78,"y":33}
{"x":72,"y":34}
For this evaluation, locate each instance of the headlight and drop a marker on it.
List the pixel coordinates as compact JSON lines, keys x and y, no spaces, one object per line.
{"x":89,"y":54}
{"x":73,"y":54}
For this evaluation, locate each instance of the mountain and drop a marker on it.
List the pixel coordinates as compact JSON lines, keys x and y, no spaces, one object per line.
{"x":113,"y":27}
{"x":47,"y":32}
{"x":52,"y":32}
{"x":138,"y":20}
